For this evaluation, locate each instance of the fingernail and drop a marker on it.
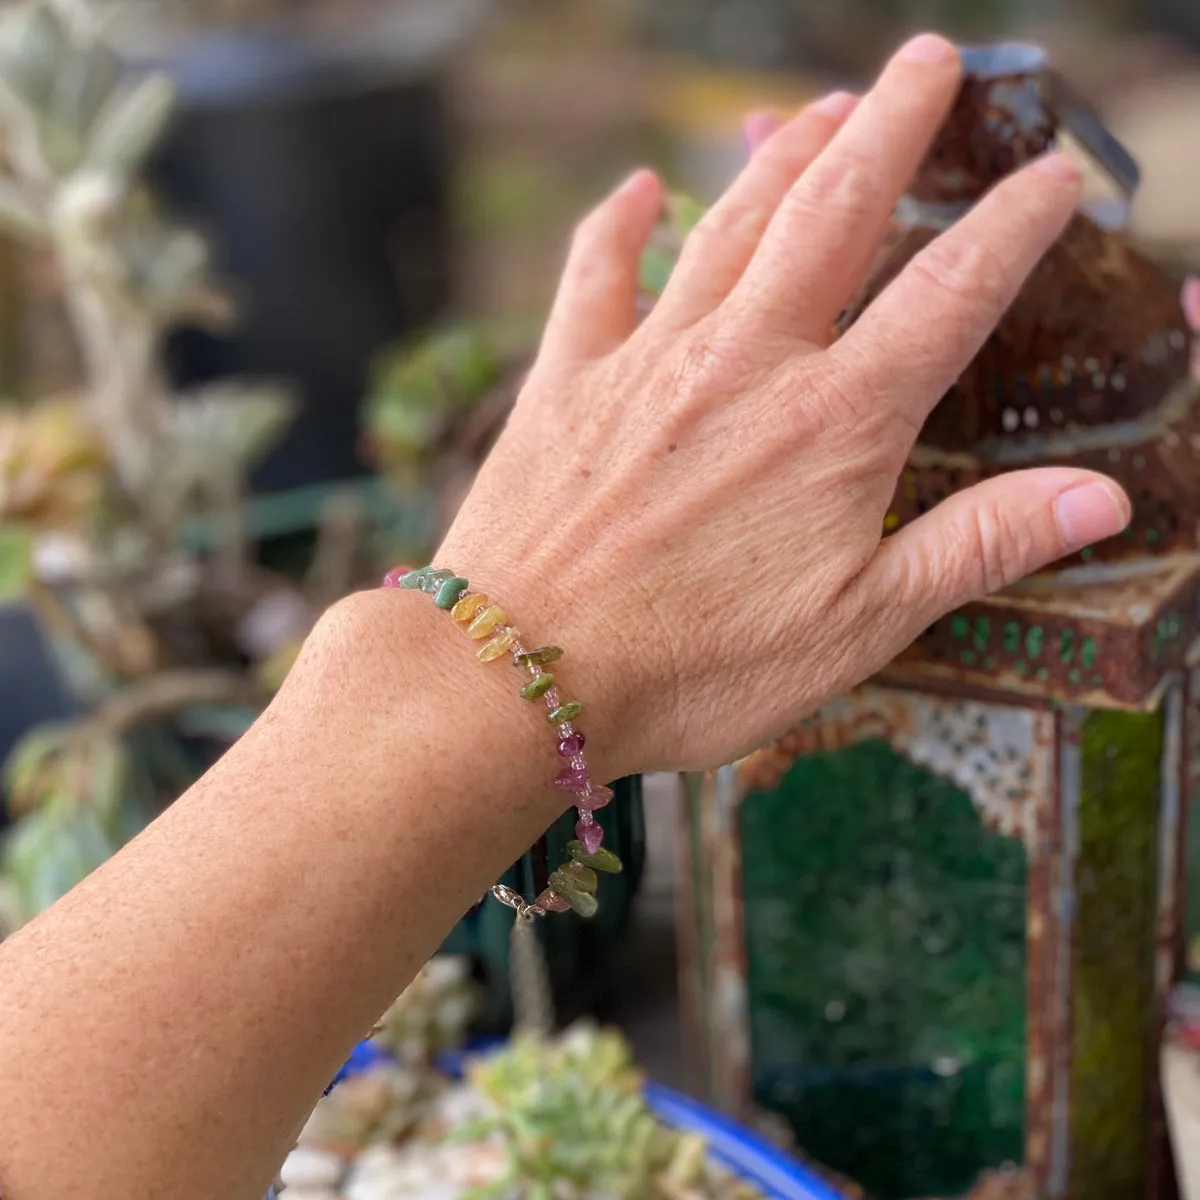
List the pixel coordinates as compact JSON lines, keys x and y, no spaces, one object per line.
{"x":639,"y":179}
{"x":927,"y":48}
{"x":634,"y":179}
{"x":1091,"y":512}
{"x":836,"y":104}
{"x":1060,"y":165}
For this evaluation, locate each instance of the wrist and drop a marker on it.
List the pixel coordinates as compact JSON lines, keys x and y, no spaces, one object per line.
{"x":550,"y":610}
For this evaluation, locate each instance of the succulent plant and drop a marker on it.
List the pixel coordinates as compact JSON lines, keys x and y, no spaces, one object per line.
{"x":542,"y":1119}
{"x":432,"y":1014}
{"x":574,"y":1123}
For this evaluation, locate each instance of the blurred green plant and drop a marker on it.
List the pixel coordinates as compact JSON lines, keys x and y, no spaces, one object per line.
{"x":573,"y":1121}
{"x":432,"y":1014}
{"x":438,"y":402}
{"x":101,"y":489}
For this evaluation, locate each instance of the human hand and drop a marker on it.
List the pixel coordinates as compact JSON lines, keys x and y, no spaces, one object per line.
{"x":694,"y":506}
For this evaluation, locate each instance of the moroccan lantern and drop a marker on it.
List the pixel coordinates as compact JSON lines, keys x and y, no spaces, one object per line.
{"x":934,"y":926}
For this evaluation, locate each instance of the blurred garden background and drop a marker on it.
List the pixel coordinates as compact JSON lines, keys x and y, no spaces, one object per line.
{"x":269,"y":275}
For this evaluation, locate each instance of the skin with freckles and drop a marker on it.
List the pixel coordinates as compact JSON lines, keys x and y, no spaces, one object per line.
{"x":691,"y":506}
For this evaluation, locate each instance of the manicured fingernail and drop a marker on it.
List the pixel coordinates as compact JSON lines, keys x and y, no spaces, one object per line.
{"x":836,"y":104}
{"x":927,"y":48}
{"x":1060,"y":165}
{"x":1091,"y":512}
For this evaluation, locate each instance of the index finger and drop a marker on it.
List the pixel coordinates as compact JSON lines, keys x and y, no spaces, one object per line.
{"x":822,"y":238}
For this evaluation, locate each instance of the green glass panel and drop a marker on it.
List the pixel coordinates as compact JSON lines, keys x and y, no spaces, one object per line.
{"x":885,"y":938}
{"x":1114,"y":951}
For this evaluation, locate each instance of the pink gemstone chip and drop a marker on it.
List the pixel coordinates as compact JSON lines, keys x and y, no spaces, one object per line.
{"x":574,"y":780}
{"x":551,"y":901}
{"x":595,"y":797}
{"x":393,"y":577}
{"x":590,"y":834}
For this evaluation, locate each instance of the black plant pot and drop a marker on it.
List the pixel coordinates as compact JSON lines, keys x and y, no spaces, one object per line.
{"x":322,"y":176}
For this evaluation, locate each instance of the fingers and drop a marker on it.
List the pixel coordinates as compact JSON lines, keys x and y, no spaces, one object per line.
{"x":718,"y":249}
{"x":1191,"y":302}
{"x":986,"y":538}
{"x":823,"y":237}
{"x":938,"y":312}
{"x":1191,"y":310}
{"x":759,"y":126}
{"x":596,"y":307}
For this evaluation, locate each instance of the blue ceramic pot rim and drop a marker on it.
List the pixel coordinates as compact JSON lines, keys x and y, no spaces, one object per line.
{"x":753,"y":1158}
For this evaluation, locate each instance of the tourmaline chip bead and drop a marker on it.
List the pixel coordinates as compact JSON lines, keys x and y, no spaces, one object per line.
{"x":574,"y":884}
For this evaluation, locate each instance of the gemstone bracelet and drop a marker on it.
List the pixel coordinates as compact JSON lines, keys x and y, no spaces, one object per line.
{"x":574,"y":884}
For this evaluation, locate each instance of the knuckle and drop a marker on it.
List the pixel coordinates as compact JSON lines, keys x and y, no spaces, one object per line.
{"x":844,"y":184}
{"x":998,"y":547}
{"x":833,"y":400}
{"x":879,"y":405}
{"x":967,"y":270}
{"x":702,"y":368}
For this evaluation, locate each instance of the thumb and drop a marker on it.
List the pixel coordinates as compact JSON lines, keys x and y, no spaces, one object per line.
{"x":987,"y":537}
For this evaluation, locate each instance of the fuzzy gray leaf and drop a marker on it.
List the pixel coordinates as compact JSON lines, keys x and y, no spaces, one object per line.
{"x":130,"y":124}
{"x":230,"y":426}
{"x":30,"y":54}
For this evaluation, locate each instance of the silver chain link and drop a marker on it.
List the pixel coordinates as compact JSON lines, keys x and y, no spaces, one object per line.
{"x":528,"y":975}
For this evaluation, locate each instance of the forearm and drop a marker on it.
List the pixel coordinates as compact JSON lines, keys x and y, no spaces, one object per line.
{"x":172,"y":1020}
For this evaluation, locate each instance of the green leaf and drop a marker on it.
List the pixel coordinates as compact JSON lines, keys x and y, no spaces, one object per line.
{"x":130,"y":125}
{"x":684,"y":212}
{"x":16,"y":560}
{"x":30,"y":753}
{"x":107,"y":780}
{"x":657,"y":265}
{"x":52,"y":850}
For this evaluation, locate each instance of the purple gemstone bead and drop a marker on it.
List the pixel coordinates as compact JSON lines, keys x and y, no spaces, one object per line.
{"x":392,"y":578}
{"x":571,"y":746}
{"x":595,"y":797}
{"x":572,"y":780}
{"x":590,"y":834}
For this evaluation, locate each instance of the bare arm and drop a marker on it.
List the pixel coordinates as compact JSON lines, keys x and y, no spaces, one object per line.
{"x":691,"y":507}
{"x":173,"y":1020}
